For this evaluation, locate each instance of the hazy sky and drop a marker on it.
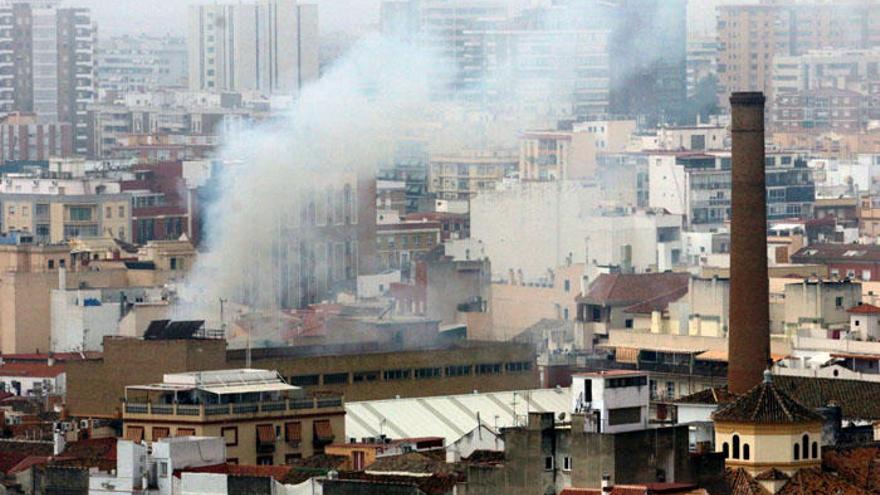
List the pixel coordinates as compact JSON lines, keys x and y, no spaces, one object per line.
{"x":169,"y":16}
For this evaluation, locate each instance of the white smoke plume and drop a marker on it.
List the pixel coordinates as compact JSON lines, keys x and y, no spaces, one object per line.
{"x":346,"y":123}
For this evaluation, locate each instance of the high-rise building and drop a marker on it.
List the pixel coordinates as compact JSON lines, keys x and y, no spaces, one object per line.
{"x":47,"y":63}
{"x":268,"y":46}
{"x":750,"y":37}
{"x":141,"y":63}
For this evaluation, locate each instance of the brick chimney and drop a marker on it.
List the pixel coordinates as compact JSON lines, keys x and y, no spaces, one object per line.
{"x":749,"y":335}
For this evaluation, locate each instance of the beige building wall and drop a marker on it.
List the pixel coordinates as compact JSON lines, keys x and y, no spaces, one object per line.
{"x":770,"y":446}
{"x":118,"y":223}
{"x":513,"y":307}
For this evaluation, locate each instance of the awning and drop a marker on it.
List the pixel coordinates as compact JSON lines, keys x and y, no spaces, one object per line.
{"x":248,"y":389}
{"x":626,"y":355}
{"x":323,"y":430}
{"x":293,"y":432}
{"x":134,"y":433}
{"x":160,"y":433}
{"x":186,"y":432}
{"x":266,"y":434}
{"x":720,"y":355}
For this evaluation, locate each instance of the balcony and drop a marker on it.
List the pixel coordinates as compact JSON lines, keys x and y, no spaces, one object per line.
{"x":195,"y":413}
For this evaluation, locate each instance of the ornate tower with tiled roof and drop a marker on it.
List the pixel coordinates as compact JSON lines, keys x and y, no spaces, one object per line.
{"x":765,"y":428}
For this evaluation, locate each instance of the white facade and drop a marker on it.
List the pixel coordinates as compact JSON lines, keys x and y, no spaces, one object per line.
{"x":615,"y":397}
{"x":639,"y":240}
{"x":373,"y":286}
{"x":464,"y":249}
{"x":667,"y":184}
{"x":34,"y":384}
{"x":143,"y":471}
{"x":270,"y":46}
{"x":81,"y":318}
{"x":865,"y":326}
{"x":835,"y":177}
{"x":533,"y":227}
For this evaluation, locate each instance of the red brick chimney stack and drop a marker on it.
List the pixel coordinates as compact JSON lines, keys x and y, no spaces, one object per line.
{"x":749,"y":333}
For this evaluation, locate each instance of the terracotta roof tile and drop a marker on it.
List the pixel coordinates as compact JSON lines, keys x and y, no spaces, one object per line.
{"x":627,"y":289}
{"x":814,"y":481}
{"x":860,"y":466}
{"x":771,"y":474}
{"x":278,"y":473}
{"x":765,"y":403}
{"x":864,"y":309}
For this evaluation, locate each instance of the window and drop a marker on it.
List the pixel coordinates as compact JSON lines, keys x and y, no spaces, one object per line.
{"x":797,"y":452}
{"x":838,"y":302}
{"x":548,"y":463}
{"x":815,"y":450}
{"x":566,"y":463}
{"x":134,"y":433}
{"x":51,"y":264}
{"x":230,"y":434}
{"x":488,"y":369}
{"x":670,"y":390}
{"x":163,"y":469}
{"x":395,"y":374}
{"x":12,"y":210}
{"x":41,"y":209}
{"x":736,"y":446}
{"x":365,"y":376}
{"x":630,"y":381}
{"x":304,"y":380}
{"x":108,"y":213}
{"x":80,"y":214}
{"x":518,"y":366}
{"x":335,"y":378}
{"x":458,"y":370}
{"x":805,"y":446}
{"x":121,"y":211}
{"x":725,"y":449}
{"x":265,"y":460}
{"x":628,"y":323}
{"x":746,"y":453}
{"x":567,"y":285}
{"x":358,"y":458}
{"x":422,"y":373}
{"x":624,"y":415}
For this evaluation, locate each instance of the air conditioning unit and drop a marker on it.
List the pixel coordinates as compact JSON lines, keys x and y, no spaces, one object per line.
{"x":84,"y":424}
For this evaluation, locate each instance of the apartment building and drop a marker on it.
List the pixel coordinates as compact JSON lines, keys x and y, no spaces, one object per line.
{"x":702,"y":61}
{"x":262,"y":419}
{"x":129,"y":64}
{"x":57,"y":210}
{"x":752,"y":36}
{"x":697,"y":185}
{"x":266,"y":46}
{"x":29,"y":138}
{"x":556,"y":155}
{"x":399,"y":244}
{"x":465,"y":174}
{"x":51,"y":53}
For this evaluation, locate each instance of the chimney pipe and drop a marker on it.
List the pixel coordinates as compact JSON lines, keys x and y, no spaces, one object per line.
{"x":749,"y":338}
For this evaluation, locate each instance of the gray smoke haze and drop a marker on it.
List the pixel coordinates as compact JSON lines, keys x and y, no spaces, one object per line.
{"x":345,"y":124}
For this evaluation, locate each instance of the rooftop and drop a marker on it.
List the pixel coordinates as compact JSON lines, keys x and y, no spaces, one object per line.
{"x":765,"y":404}
{"x":864,"y":309}
{"x":627,"y":289}
{"x":451,"y":416}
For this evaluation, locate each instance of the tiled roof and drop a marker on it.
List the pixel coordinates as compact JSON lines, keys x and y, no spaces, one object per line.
{"x":735,"y":482}
{"x":814,"y":481}
{"x":316,"y":465}
{"x":771,"y":474}
{"x":26,"y":447}
{"x":644,"y":489}
{"x":411,"y":462}
{"x":823,"y":253}
{"x":35,"y":370}
{"x":765,"y":403}
{"x":28,"y":462}
{"x":438,"y":484}
{"x":858,"y":400}
{"x":627,"y":289}
{"x":278,"y":473}
{"x":92,"y":448}
{"x":659,"y":303}
{"x":860,"y":466}
{"x":864,"y":309}
{"x":8,"y":460}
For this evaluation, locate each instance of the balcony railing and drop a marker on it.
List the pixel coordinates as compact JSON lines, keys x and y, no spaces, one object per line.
{"x":204,"y":410}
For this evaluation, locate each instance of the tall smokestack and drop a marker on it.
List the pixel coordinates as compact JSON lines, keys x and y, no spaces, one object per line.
{"x":749,"y":339}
